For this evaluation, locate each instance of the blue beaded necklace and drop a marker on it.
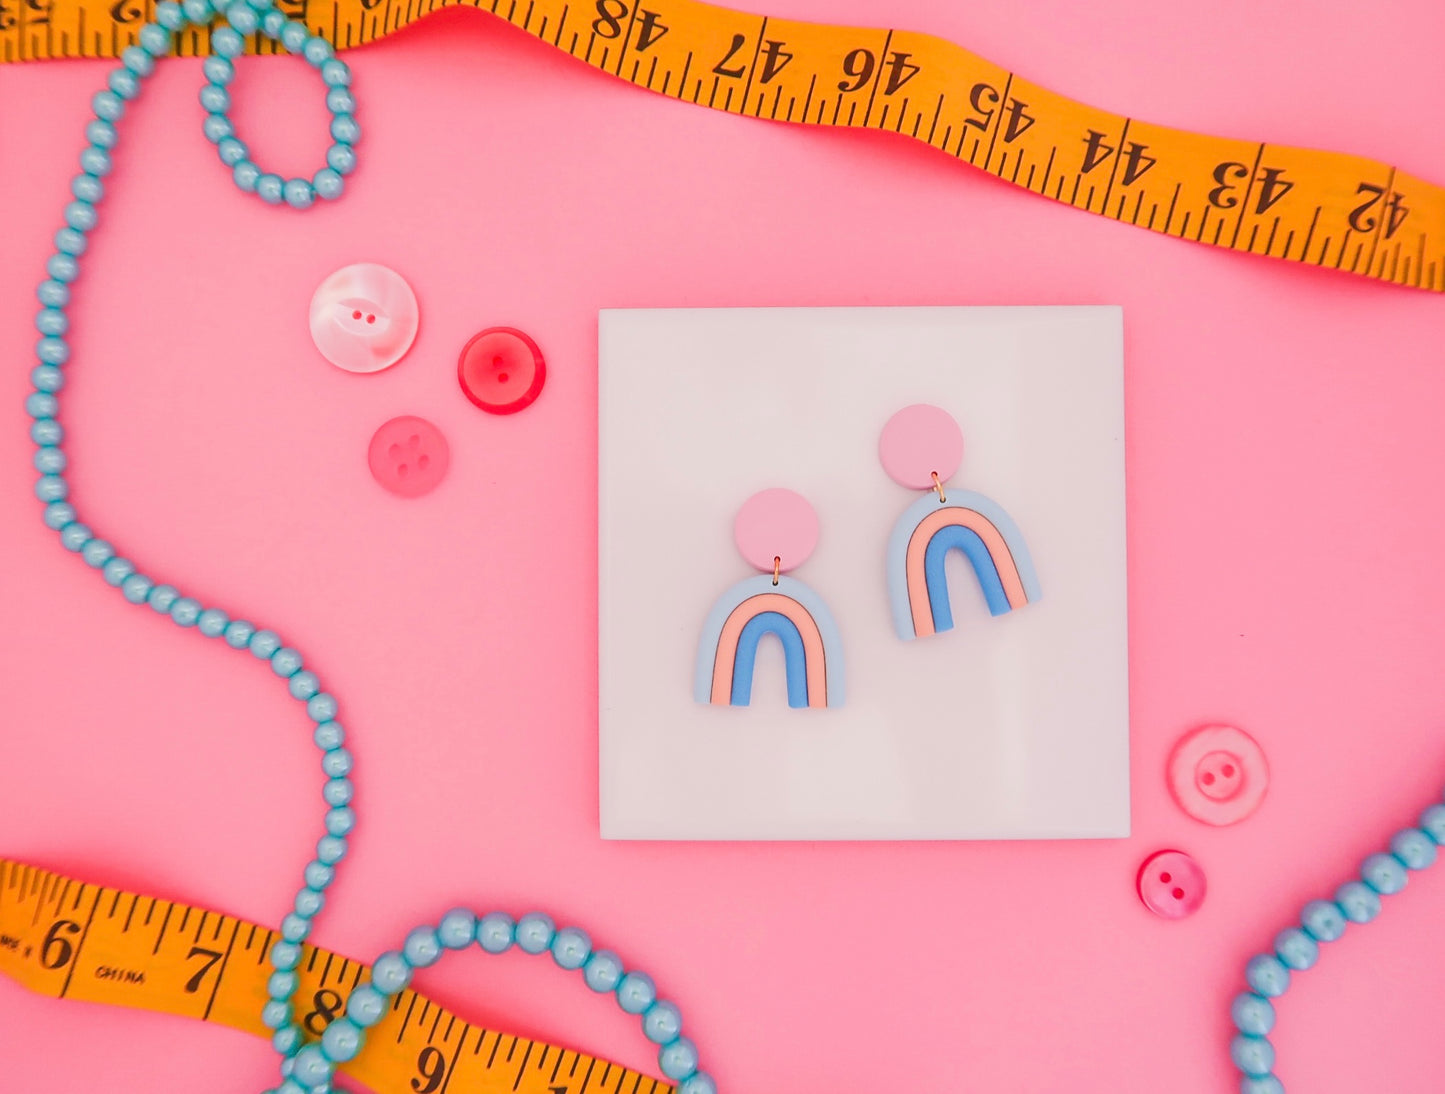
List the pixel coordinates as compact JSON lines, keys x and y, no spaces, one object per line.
{"x":305,"y":1068}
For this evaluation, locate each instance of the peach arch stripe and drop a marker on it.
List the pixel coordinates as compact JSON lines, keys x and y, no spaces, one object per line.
{"x":727,"y":646}
{"x":1003,"y":560}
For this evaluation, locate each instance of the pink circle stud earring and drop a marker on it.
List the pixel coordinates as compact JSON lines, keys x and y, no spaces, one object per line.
{"x":921,"y":447}
{"x":776,"y":531}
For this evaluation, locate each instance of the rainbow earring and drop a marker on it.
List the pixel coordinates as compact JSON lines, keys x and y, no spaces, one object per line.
{"x":776,"y":531}
{"x":920,"y":447}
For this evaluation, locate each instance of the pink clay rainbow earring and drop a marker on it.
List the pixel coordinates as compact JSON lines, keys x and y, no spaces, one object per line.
{"x":776,"y":531}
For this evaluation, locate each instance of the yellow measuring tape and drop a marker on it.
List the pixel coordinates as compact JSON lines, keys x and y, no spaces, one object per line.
{"x":73,"y":940}
{"x":1322,"y":208}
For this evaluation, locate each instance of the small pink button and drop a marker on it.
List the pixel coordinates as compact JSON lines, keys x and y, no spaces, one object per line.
{"x":1171,"y":884}
{"x":1218,"y":774}
{"x":364,"y":317}
{"x":776,"y":527}
{"x":409,"y":456}
{"x":919,"y":441}
{"x":502,"y":370}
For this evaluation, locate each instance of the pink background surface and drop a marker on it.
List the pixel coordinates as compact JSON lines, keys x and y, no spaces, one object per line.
{"x":1285,"y":461}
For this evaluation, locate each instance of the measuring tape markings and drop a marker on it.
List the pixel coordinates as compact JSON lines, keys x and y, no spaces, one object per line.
{"x":73,"y":940}
{"x":1324,"y":209}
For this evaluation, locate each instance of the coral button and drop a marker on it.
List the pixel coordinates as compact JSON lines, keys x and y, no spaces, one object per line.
{"x":1218,"y":774}
{"x":501,"y":370}
{"x":409,"y":456}
{"x":364,"y":317}
{"x":1171,"y":884}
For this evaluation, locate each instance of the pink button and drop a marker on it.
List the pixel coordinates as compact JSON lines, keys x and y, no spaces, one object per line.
{"x":501,"y":370}
{"x":1171,"y":884}
{"x":364,"y":317}
{"x":1218,"y":774}
{"x":409,"y":456}
{"x":919,"y":442}
{"x":776,"y":528}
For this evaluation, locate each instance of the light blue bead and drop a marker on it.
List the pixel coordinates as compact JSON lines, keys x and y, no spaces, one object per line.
{"x":238,"y":634}
{"x":312,"y":1068}
{"x":51,"y":488}
{"x":68,"y":242}
{"x":97,"y":553}
{"x":318,"y":875}
{"x":603,"y":971}
{"x":53,"y":294}
{"x":457,"y":929}
{"x":51,"y":350}
{"x":329,"y":735}
{"x":276,"y":1013}
{"x":270,"y":189}
{"x":366,"y":1006}
{"x":154,"y":40}
{"x":337,"y":792}
{"x":232,"y":151}
{"x":341,"y":1041}
{"x":1252,"y":1014}
{"x":243,"y":18}
{"x":1267,"y":975}
{"x":341,"y":158}
{"x":282,"y":985}
{"x":95,"y":161}
{"x":1384,"y":874}
{"x":534,"y":932}
{"x":136,"y":588}
{"x":1322,"y":921}
{"x":101,"y":134}
{"x":334,"y":73}
{"x":1295,"y":949}
{"x":422,"y":948}
{"x":225,"y":45}
{"x":214,"y":99}
{"x":331,"y":849}
{"x":272,"y":21}
{"x":293,"y":37}
{"x":309,"y":903}
{"x":701,"y":1083}
{"x":298,"y":193}
{"x":339,"y":100}
{"x":123,"y":82}
{"x":391,"y":973}
{"x":81,"y":216}
{"x":186,"y":611}
{"x":303,"y":685}
{"x":317,"y":51}
{"x":217,"y":127}
{"x":220,"y":72}
{"x":286,"y":662}
{"x":291,"y":1086}
{"x":327,"y":184}
{"x":57,"y":515}
{"x":117,"y":570}
{"x":1432,"y":821}
{"x":321,"y":707}
{"x":199,"y":12}
{"x":678,"y":1060}
{"x":40,"y":404}
{"x":571,"y":947}
{"x":87,"y":188}
{"x":138,"y":60}
{"x":1252,"y":1055}
{"x":662,"y":1022}
{"x":1357,"y":901}
{"x":264,"y":644}
{"x":47,"y":377}
{"x":496,"y":932}
{"x":1414,"y":848}
{"x":336,"y":763}
{"x":74,"y":536}
{"x":295,"y":928}
{"x":52,"y":322}
{"x":636,"y":992}
{"x":49,"y":461}
{"x":47,"y":431}
{"x":212,"y":622}
{"x":344,"y":129}
{"x":285,"y":955}
{"x":107,"y":105}
{"x":341,"y":820}
{"x":169,"y":15}
{"x":162,"y":597}
{"x":62,"y":267}
{"x":1265,"y":1084}
{"x":244,"y":175}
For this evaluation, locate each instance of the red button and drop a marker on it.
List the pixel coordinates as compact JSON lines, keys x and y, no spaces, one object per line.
{"x":1171,"y":884}
{"x":1218,"y":774}
{"x":502,"y":371}
{"x":409,"y":456}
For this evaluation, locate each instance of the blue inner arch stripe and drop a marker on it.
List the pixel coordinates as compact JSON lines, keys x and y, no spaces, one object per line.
{"x":774,"y":623}
{"x":957,"y":537}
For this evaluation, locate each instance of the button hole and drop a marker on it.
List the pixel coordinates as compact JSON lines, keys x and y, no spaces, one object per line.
{"x":1165,"y":878}
{"x":1178,"y":894}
